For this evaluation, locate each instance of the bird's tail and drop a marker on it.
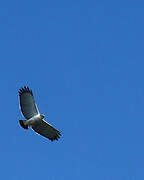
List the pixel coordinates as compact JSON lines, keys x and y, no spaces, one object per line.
{"x":23,"y":124}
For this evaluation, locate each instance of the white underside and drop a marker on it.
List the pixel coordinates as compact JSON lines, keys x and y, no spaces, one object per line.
{"x":32,"y":120}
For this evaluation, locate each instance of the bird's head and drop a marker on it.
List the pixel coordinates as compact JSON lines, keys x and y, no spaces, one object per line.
{"x":42,"y":116}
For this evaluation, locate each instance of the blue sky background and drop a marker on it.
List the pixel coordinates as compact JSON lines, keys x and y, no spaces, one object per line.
{"x":84,"y":61}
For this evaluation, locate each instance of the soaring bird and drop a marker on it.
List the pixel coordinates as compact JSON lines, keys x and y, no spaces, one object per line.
{"x":33,"y":118}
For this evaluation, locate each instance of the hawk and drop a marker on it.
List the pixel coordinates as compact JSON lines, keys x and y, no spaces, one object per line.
{"x":33,"y":118}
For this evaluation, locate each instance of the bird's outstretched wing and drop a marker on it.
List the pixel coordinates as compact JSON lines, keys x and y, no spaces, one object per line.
{"x":27,"y":103}
{"x":46,"y":130}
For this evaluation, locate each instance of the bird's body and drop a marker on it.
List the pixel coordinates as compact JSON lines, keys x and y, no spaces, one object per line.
{"x":33,"y":118}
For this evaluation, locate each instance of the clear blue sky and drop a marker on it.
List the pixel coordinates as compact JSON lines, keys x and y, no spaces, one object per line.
{"x":84,"y":61}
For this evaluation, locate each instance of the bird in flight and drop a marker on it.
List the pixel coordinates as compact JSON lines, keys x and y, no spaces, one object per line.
{"x":33,"y":118}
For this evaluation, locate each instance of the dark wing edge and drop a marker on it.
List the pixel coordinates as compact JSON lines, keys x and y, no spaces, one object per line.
{"x":25,"y":89}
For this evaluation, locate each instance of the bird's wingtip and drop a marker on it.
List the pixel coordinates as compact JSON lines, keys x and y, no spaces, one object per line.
{"x":25,"y":89}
